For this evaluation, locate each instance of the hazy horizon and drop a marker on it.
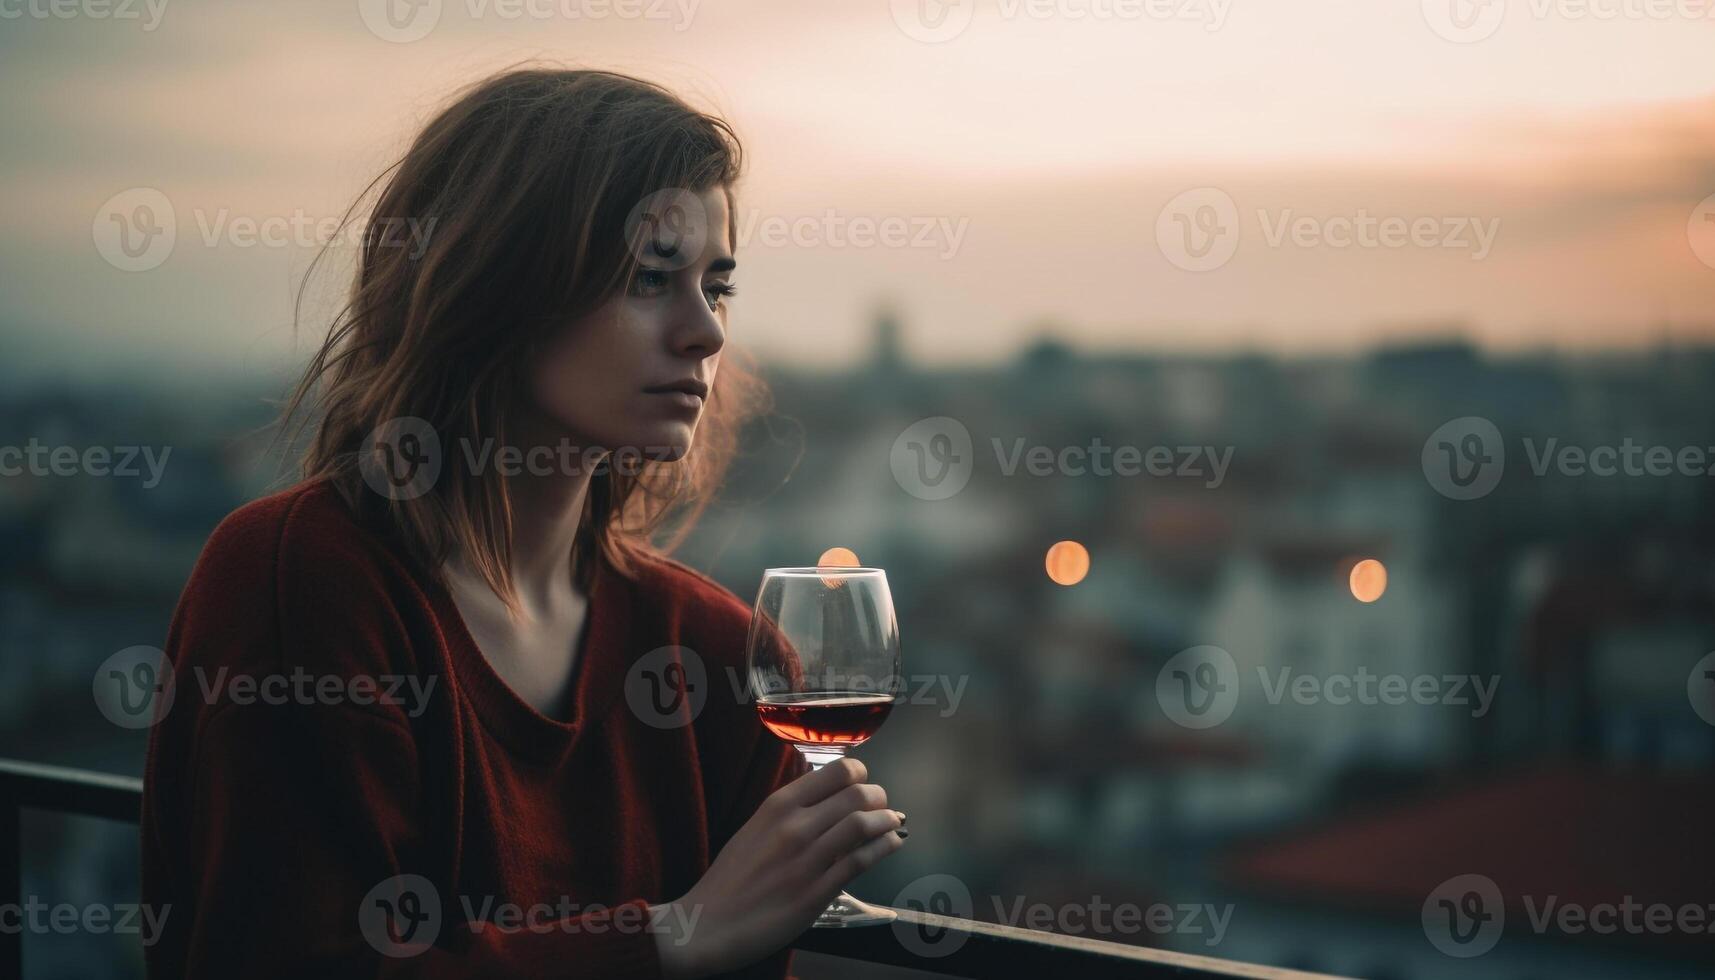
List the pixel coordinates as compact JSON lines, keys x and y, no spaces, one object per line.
{"x":1035,"y":162}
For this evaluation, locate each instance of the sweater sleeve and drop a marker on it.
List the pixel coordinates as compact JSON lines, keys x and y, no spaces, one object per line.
{"x":767,"y":763}
{"x":773,"y":764}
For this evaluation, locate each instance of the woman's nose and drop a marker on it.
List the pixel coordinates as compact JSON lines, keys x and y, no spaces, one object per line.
{"x":699,"y":331}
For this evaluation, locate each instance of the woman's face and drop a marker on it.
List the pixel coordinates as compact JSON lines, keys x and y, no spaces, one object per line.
{"x":635,"y":374}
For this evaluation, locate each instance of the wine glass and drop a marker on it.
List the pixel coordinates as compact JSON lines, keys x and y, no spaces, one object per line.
{"x":824,"y":662}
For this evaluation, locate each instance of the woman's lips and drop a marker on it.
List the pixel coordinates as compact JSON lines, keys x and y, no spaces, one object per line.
{"x":680,"y":399}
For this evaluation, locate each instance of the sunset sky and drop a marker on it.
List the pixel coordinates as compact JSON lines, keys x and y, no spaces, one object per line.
{"x":1029,"y":156}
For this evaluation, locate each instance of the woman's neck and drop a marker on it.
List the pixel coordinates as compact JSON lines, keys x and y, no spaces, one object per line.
{"x":547,"y":512}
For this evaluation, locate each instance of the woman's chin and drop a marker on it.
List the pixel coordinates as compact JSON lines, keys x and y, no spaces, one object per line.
{"x":667,"y":443}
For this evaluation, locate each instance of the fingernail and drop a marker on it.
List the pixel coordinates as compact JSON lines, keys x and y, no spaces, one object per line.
{"x":903,"y":833}
{"x":901,"y":815}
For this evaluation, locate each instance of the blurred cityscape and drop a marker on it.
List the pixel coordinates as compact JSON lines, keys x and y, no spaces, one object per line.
{"x":1547,"y":630}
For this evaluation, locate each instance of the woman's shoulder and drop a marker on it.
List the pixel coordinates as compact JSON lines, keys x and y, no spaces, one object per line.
{"x":307,"y":523}
{"x":297,"y":565}
{"x":689,"y":598}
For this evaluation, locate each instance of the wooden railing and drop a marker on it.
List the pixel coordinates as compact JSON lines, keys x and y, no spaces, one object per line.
{"x":979,"y":949}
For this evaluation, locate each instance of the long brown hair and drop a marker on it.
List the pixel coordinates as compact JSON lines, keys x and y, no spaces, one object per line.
{"x":524,"y":185}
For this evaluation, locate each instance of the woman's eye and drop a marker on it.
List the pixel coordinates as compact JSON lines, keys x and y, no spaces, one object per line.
{"x":648,"y":282}
{"x":715,"y":292}
{"x":654,"y":282}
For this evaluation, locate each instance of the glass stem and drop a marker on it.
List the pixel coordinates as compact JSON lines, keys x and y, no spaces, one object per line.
{"x":820,"y":755}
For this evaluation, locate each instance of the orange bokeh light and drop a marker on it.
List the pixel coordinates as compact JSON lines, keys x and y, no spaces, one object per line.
{"x":1068,"y":562}
{"x":1368,"y":580}
{"x":837,"y":558}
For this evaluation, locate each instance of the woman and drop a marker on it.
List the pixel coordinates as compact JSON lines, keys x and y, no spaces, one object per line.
{"x":407,"y":740}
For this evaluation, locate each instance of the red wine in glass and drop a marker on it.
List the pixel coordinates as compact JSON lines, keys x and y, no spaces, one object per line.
{"x":825,"y":719}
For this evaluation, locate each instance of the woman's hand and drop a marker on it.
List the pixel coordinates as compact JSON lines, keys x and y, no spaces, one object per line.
{"x":768,"y":884}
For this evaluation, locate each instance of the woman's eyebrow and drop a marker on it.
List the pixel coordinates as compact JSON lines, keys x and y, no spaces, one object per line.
{"x":723,"y":264}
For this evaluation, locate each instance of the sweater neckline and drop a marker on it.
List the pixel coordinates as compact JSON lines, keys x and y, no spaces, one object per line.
{"x":598,"y":675}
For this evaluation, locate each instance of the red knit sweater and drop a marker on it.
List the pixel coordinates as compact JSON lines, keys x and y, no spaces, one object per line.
{"x":278,"y":819}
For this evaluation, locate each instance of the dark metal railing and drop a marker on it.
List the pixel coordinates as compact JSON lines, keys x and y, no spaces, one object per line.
{"x":978,"y":949}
